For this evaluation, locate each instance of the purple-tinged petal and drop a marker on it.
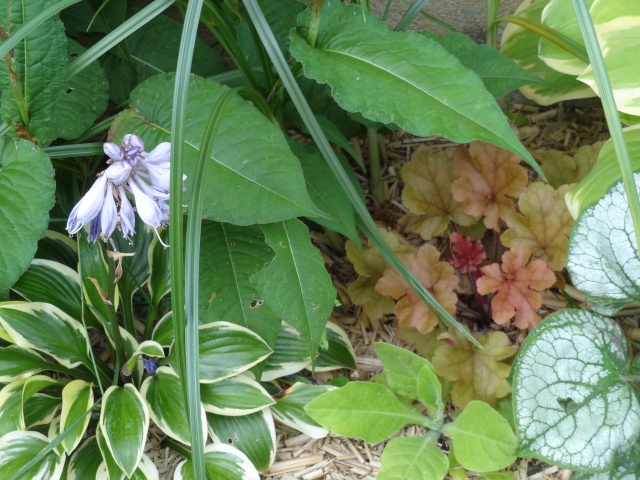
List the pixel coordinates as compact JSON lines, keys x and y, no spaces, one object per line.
{"x":118,"y":172}
{"x":147,"y":208}
{"x":113,"y":151}
{"x":158,"y":176}
{"x":131,"y":140}
{"x":88,"y":207}
{"x":109,"y":216}
{"x":94,"y":230}
{"x":127,"y":218}
{"x":149,"y":190}
{"x":160,"y":154}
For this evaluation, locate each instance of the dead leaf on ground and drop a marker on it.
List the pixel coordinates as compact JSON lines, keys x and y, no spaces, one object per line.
{"x":370,"y":265}
{"x":437,"y":277}
{"x":561,"y":168}
{"x":517,"y":285}
{"x":543,"y":226}
{"x":427,"y":193}
{"x":486,"y":178}
{"x":477,"y":373}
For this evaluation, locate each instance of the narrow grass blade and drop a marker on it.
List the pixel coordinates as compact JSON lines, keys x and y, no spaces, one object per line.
{"x":81,"y":150}
{"x":411,"y":13}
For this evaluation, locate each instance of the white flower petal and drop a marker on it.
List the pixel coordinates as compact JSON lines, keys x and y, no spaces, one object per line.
{"x":147,"y":208}
{"x":127,"y":218}
{"x":109,"y":216}
{"x":88,"y":207}
{"x":113,"y":151}
{"x":160,"y":154}
{"x":118,"y":172}
{"x":158,"y":176}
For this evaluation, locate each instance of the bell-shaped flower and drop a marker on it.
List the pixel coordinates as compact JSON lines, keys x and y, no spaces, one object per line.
{"x":159,"y":155}
{"x":109,"y":215}
{"x":113,"y":151}
{"x":118,"y":172}
{"x":88,"y":207}
{"x":127,"y":218}
{"x":147,"y":207}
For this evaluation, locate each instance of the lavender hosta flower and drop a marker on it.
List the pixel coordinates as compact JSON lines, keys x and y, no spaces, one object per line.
{"x":133,"y":171}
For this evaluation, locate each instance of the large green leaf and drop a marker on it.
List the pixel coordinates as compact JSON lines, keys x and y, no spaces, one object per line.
{"x":603,"y":257}
{"x":124,"y":421}
{"x":26,"y":196}
{"x":31,"y":325}
{"x":77,"y":398}
{"x":36,"y":75}
{"x":417,"y":458}
{"x":232,"y":255}
{"x":521,"y":45}
{"x":239,"y":395}
{"x":18,"y":448}
{"x":244,"y":184}
{"x":221,"y":461}
{"x":94,"y":275}
{"x":573,"y":406}
{"x":295,"y":284}
{"x":51,"y":282}
{"x":253,"y":434}
{"x":399,"y":78}
{"x":17,"y":363}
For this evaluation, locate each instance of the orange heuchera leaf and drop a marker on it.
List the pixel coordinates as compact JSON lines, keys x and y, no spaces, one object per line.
{"x":468,"y":255}
{"x":370,"y":264}
{"x":427,"y":193}
{"x":437,"y":277}
{"x":562,"y":169}
{"x":544,"y":225}
{"x":517,"y":285}
{"x":477,"y":373}
{"x":486,"y":176}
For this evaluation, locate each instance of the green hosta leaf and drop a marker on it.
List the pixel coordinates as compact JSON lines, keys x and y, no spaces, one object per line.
{"x":160,"y":276}
{"x":290,"y":355}
{"x":482,"y":440}
{"x":135,"y":269}
{"x":108,"y":469}
{"x":253,"y":434}
{"x":51,"y":282}
{"x":147,"y":348}
{"x":40,"y":409}
{"x":290,"y":409}
{"x":17,"y":363}
{"x":227,"y":349}
{"x":232,"y":255}
{"x":573,"y":407}
{"x":400,"y":78}
{"x":85,"y":461}
{"x":94,"y":275}
{"x":18,"y":448}
{"x":81,"y":100}
{"x":37,"y":69}
{"x":124,"y":421}
{"x":339,"y":352}
{"x":603,"y":255}
{"x":30,"y":325}
{"x":221,"y":461}
{"x":15,"y":399}
{"x":295,"y":284}
{"x":364,"y":410}
{"x":521,"y":45}
{"x":236,"y":166}
{"x":77,"y":398}
{"x":163,"y":331}
{"x":325,"y":193}
{"x":417,"y":458}
{"x":604,"y":173}
{"x":26,"y":196}
{"x":59,"y":248}
{"x":234,"y":396}
{"x":146,"y":470}
{"x":166,"y":404}
{"x":500,"y":74}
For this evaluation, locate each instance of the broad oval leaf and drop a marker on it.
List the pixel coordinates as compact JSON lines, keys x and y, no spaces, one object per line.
{"x":124,"y":421}
{"x":30,"y":326}
{"x":85,"y":461}
{"x":603,"y":257}
{"x":573,"y":407}
{"x":253,"y":434}
{"x":417,"y":458}
{"x":401,"y":368}
{"x":221,"y":461}
{"x":234,"y":396}
{"x":40,"y":409}
{"x":268,"y":179}
{"x":227,"y":349}
{"x":108,"y":469}
{"x":77,"y":398}
{"x":290,"y":355}
{"x":18,"y":448}
{"x":399,"y":78}
{"x":26,"y":196}
{"x":17,"y":363}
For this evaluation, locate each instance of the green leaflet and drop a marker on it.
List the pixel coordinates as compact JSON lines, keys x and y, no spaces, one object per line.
{"x":308,"y":300}
{"x":417,"y":458}
{"x":572,"y":406}
{"x":603,"y":258}
{"x":17,"y":448}
{"x":244,"y":184}
{"x":77,"y":398}
{"x":26,"y":196}
{"x":399,"y":78}
{"x":34,"y":78}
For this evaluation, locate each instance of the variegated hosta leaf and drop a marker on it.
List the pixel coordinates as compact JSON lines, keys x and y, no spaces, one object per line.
{"x":51,"y":282}
{"x":163,"y":394}
{"x":227,"y":349}
{"x":290,"y":408}
{"x":40,"y":410}
{"x":148,"y":348}
{"x":253,"y":434}
{"x":290,"y":355}
{"x":163,"y":331}
{"x":17,"y":363}
{"x":85,"y":461}
{"x":339,"y":352}
{"x":221,"y":461}
{"x":77,"y":398}
{"x":124,"y":421}
{"x":18,"y":448}
{"x":573,"y":406}
{"x":109,"y":469}
{"x":94,"y":275}
{"x":234,"y":396}
{"x":603,"y":257}
{"x":160,"y":276}
{"x":58,"y":247}
{"x":146,"y":470}
{"x":130,"y":345}
{"x":47,"y":329}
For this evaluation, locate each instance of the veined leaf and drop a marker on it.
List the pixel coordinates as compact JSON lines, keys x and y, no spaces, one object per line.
{"x":18,"y":448}
{"x":269,"y":179}
{"x":221,"y":461}
{"x":400,"y":78}
{"x":234,"y":396}
{"x":77,"y":398}
{"x":417,"y":458}
{"x":17,"y":362}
